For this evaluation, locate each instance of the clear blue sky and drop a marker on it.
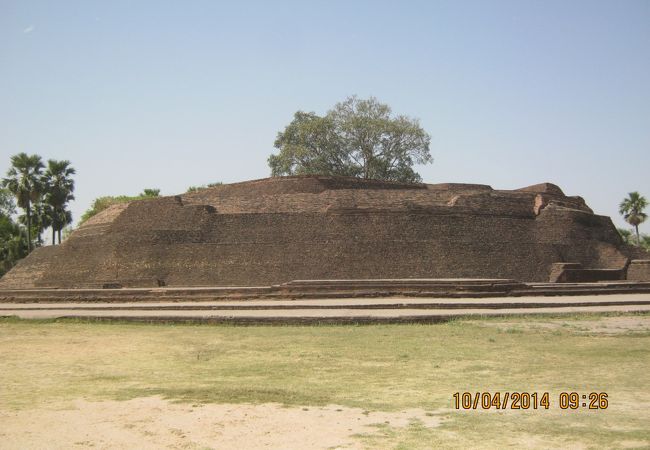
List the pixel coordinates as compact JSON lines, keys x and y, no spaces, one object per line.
{"x":171,"y":94}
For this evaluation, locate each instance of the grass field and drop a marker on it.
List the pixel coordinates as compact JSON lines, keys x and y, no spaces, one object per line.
{"x":376,"y":368}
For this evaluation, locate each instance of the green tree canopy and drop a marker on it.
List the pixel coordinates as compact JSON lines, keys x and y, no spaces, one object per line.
{"x":7,"y":203}
{"x":41,"y":219}
{"x":13,"y":243}
{"x":203,"y":186}
{"x":59,"y":188}
{"x":359,"y":138}
{"x":150,"y":193}
{"x":24,"y":181}
{"x":631,"y":208}
{"x":626,"y":235}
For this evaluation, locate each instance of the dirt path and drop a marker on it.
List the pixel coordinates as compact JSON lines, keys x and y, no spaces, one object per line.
{"x":156,"y":423}
{"x":604,"y":326}
{"x":560,"y":300}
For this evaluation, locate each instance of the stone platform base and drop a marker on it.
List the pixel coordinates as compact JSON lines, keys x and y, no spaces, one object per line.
{"x":328,"y":311}
{"x":329,"y":289}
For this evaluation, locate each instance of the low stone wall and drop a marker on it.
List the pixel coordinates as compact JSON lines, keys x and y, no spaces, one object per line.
{"x":575,"y":273}
{"x":558,"y":271}
{"x":639,"y":270}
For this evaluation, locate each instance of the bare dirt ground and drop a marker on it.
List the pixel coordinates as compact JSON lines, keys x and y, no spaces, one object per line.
{"x":605,"y":325}
{"x":71,"y":384}
{"x":153,"y":422}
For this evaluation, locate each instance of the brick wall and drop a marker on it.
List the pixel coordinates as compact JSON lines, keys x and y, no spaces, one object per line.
{"x":281,"y":229}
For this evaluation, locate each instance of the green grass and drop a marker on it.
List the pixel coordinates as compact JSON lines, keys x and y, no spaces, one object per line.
{"x":387,"y":367}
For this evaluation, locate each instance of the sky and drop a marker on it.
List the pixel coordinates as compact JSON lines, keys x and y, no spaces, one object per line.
{"x":162,"y":94}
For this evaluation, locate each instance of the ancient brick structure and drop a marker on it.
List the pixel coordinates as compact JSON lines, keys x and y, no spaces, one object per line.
{"x":316,"y":227}
{"x":639,"y":270}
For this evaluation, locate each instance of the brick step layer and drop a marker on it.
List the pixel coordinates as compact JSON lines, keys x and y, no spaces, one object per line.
{"x":328,"y":311}
{"x":346,"y":303}
{"x":316,"y":289}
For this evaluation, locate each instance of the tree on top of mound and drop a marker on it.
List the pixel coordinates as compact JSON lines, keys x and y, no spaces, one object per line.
{"x":358,"y":138}
{"x":102,"y":203}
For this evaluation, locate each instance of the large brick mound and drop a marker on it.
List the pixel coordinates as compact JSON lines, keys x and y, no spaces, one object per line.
{"x":274,"y":230}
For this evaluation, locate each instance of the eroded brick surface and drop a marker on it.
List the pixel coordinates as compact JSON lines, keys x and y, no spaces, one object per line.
{"x":275,"y":230}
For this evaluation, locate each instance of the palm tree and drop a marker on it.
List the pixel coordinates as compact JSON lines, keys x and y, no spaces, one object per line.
{"x":41,"y":219}
{"x":63,"y":219}
{"x":59,"y":188}
{"x":632,"y":210}
{"x":24,"y":182}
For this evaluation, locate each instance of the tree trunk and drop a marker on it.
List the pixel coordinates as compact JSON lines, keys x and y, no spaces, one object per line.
{"x":29,"y":228}
{"x":59,"y":235}
{"x":638,"y":238}
{"x":53,"y":235}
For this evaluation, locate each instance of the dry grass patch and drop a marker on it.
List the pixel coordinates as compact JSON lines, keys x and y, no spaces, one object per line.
{"x":386,"y":368}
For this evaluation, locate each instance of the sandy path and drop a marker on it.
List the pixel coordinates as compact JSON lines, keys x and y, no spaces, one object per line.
{"x":606,"y":325}
{"x":304,"y":315}
{"x":333,"y":302}
{"x":152,"y":422}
